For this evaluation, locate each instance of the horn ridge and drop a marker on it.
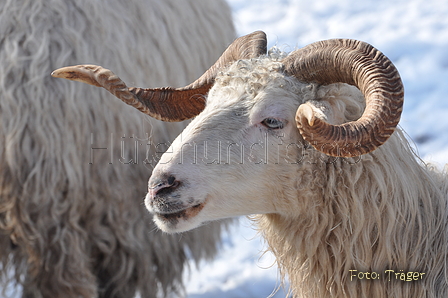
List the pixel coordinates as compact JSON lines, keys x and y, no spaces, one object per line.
{"x":168,"y":104}
{"x":356,"y":63}
{"x":245,"y":47}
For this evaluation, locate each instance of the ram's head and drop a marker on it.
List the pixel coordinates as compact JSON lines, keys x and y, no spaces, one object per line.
{"x":256,"y":117}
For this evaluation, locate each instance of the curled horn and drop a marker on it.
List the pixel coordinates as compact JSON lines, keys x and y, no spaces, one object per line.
{"x":167,"y":104}
{"x":356,"y":63}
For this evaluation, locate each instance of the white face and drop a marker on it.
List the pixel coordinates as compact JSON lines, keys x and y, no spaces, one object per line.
{"x":233,"y":159}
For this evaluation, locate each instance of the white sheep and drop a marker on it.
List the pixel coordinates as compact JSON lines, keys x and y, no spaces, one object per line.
{"x":70,"y":226}
{"x":341,"y":199}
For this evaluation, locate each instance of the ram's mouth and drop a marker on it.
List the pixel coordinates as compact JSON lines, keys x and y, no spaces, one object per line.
{"x":184,"y":214}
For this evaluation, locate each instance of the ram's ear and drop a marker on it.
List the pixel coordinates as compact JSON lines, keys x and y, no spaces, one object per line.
{"x":337,"y":103}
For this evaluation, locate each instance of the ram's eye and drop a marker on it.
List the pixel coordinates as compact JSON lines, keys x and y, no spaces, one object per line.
{"x":272,"y":123}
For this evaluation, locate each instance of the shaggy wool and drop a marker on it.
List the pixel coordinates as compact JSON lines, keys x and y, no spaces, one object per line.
{"x":74,"y":161}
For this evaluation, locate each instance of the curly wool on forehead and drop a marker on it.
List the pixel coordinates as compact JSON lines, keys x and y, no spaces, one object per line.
{"x":245,"y":79}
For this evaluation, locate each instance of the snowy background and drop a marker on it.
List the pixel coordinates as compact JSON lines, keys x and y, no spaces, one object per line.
{"x":412,"y":33}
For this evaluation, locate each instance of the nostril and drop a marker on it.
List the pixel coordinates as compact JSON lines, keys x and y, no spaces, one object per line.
{"x":168,"y":188}
{"x":164,"y":186}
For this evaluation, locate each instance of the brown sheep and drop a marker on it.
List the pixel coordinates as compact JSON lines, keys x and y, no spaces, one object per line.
{"x":70,"y":226}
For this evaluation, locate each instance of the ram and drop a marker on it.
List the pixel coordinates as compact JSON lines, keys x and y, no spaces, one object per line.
{"x":72,"y":174}
{"x":308,"y":143}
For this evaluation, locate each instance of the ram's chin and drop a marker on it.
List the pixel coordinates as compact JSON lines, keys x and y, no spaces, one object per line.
{"x":178,"y":222}
{"x":175,"y":227}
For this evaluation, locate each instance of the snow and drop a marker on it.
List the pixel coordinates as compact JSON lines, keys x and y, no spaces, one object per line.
{"x":242,"y":269}
{"x":412,"y":33}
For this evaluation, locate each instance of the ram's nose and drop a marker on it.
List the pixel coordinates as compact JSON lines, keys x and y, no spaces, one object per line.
{"x":163,"y":185}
